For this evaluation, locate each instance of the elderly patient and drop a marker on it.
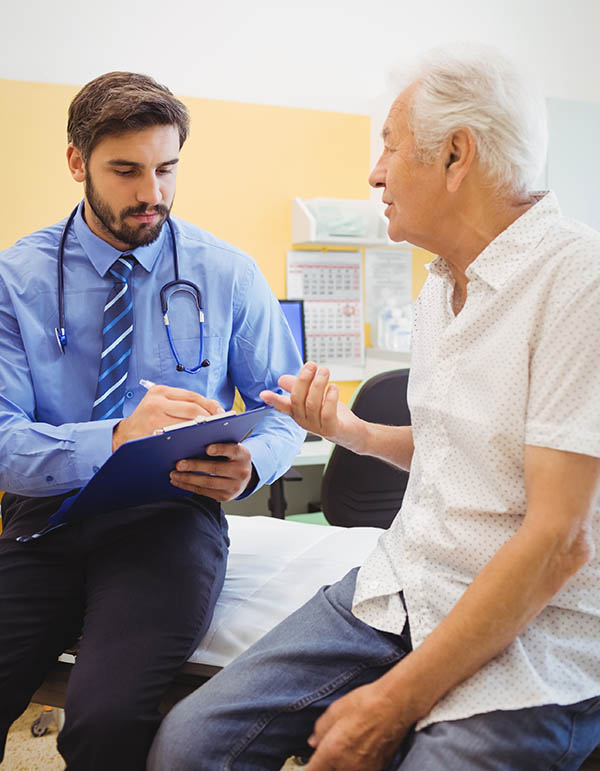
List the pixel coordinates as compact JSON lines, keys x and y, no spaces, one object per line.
{"x":470,"y":638}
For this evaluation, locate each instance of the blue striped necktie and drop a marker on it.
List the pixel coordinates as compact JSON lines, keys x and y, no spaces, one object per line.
{"x":117,"y":336}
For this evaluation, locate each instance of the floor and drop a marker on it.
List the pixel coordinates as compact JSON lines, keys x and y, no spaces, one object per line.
{"x":25,"y":752}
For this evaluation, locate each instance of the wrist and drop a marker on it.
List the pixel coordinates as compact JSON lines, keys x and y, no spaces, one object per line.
{"x":252,"y":482}
{"x":411,"y":690}
{"x":359,"y":439}
{"x":116,"y":436}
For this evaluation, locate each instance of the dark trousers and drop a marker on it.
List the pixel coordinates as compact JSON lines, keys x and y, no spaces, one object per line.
{"x":139,"y":586}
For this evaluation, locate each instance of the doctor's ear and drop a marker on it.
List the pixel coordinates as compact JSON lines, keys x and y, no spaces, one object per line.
{"x":460,"y":153}
{"x":76,"y":163}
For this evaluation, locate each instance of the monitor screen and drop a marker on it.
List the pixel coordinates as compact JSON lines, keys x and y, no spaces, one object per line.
{"x":293,"y":310}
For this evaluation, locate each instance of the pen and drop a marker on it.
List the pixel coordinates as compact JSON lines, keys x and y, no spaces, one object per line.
{"x":147,"y":384}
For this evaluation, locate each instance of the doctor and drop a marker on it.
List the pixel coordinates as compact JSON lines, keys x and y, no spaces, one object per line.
{"x":139,"y":585}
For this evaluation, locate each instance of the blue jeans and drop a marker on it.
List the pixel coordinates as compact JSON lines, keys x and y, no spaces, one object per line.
{"x":261,"y":708}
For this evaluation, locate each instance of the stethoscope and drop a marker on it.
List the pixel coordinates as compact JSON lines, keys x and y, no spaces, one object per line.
{"x":178,"y":285}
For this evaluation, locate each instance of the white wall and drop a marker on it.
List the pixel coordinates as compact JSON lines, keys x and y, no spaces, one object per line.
{"x":309,"y":53}
{"x":324,"y":54}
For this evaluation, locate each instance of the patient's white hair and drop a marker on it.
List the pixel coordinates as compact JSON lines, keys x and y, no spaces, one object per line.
{"x":476,"y":87}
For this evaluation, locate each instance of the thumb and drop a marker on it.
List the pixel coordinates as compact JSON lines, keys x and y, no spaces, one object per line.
{"x":287,"y":382}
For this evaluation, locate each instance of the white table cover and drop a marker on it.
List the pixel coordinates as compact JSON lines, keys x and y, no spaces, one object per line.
{"x":274,"y":567}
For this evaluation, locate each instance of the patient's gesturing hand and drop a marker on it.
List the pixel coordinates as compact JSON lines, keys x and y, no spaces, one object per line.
{"x":313,"y":402}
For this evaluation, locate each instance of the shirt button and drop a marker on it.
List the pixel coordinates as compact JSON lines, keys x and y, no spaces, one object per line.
{"x":95,"y":469}
{"x":129,"y":394}
{"x":49,"y":478}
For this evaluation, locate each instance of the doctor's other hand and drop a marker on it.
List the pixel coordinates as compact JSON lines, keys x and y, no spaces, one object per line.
{"x":225,"y":474}
{"x":162,"y":406}
{"x":314,"y":404}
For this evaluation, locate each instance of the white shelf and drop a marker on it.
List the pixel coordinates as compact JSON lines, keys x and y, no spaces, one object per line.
{"x":337,"y":219}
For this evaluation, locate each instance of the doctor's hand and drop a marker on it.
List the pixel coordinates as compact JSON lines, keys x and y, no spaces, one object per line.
{"x":314,"y":404}
{"x":226,"y":474}
{"x":363,"y":729}
{"x":162,"y":406}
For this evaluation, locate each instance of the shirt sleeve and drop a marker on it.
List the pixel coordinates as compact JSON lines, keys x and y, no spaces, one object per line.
{"x":261,"y":350}
{"x":564,"y":388}
{"x":39,"y":459}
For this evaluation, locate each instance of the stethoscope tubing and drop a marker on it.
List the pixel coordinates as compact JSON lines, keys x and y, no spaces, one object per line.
{"x":177,"y":285}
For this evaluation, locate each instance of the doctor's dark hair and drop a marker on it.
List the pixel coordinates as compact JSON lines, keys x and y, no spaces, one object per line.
{"x":117,"y":102}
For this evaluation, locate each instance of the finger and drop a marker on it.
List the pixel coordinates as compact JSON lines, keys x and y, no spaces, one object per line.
{"x":329,"y":410}
{"x":321,"y":761}
{"x":316,"y":395}
{"x":236,"y":465}
{"x":231,"y":450}
{"x":300,"y":390}
{"x":212,"y":468}
{"x":287,"y":382}
{"x":219,"y":488}
{"x":173,"y":393}
{"x":182,"y":410}
{"x":216,"y":493}
{"x":281,"y":403}
{"x":227,"y":452}
{"x":321,"y":726}
{"x":188,"y":480}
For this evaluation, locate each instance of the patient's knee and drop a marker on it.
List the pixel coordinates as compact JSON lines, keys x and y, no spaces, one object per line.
{"x":181,"y":742}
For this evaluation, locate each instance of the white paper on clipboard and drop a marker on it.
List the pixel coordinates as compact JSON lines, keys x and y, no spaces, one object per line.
{"x":331,"y":285}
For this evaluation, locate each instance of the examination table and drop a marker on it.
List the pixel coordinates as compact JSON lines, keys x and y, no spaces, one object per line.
{"x":274,"y":567}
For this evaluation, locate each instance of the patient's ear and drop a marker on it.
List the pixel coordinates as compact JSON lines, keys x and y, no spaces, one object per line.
{"x":460,"y":154}
{"x":76,"y":163}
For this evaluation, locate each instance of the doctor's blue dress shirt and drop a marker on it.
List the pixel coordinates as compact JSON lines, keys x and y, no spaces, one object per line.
{"x":48,"y":444}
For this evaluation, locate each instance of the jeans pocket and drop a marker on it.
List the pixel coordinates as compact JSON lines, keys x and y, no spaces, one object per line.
{"x":590,"y":705}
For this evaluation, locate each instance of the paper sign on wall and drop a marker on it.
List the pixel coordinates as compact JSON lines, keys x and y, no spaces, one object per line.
{"x":388,"y":291}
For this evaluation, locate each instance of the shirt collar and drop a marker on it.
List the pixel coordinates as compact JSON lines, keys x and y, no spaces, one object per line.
{"x":102,"y":255}
{"x":511,"y":248}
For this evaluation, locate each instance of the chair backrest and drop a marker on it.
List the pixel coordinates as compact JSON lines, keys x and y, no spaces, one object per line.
{"x":358,"y":490}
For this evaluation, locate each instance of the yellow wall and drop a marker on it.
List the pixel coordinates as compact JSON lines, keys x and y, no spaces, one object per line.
{"x":240,"y":169}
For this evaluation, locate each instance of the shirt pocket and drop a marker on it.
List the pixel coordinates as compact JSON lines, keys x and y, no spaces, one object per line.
{"x":207,"y":380}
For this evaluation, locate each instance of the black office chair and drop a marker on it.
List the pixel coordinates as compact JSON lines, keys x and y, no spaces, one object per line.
{"x":358,"y":490}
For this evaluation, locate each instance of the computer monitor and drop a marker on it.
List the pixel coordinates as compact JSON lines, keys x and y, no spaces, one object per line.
{"x":293,"y":310}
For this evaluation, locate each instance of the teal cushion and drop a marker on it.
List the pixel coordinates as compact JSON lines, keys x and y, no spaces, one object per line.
{"x":314,"y":518}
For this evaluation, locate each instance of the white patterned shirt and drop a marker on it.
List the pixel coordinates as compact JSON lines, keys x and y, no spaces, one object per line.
{"x":520,"y":364}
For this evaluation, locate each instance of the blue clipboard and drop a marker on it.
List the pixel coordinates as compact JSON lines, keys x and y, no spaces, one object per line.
{"x":138,"y":471}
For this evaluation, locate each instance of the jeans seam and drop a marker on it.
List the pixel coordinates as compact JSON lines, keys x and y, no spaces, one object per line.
{"x":267,"y":717}
{"x":565,"y":755}
{"x":595,"y":703}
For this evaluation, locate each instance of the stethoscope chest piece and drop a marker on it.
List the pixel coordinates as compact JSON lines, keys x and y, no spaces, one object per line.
{"x":177,"y":285}
{"x":168,"y":290}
